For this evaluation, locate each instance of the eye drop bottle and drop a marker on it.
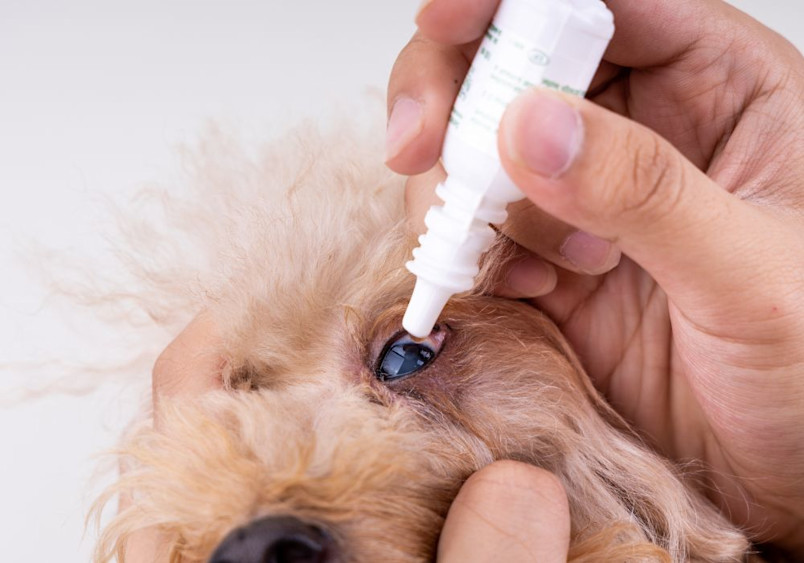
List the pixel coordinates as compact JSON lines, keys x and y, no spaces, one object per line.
{"x":555,"y":44}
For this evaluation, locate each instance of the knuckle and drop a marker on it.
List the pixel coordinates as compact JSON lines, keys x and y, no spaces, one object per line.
{"x":411,"y":54}
{"x":423,"y":64}
{"x":653,"y":178}
{"x":404,"y":61}
{"x":417,"y":43}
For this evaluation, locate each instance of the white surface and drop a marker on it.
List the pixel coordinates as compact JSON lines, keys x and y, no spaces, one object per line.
{"x":94,"y":96}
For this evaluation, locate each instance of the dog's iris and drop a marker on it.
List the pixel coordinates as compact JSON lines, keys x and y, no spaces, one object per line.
{"x":404,"y":356}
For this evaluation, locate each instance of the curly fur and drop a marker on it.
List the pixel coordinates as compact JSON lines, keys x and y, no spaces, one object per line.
{"x":297,"y":254}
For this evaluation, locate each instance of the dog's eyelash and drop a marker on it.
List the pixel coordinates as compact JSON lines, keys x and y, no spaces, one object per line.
{"x":403,"y":356}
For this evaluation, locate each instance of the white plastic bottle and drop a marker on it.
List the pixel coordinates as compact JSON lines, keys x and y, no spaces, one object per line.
{"x":554,"y":44}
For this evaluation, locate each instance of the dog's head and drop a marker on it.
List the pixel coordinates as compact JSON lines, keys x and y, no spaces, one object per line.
{"x":336,"y":436}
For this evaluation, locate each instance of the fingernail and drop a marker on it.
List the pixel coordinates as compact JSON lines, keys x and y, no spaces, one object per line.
{"x":544,"y":134}
{"x":530,"y":277}
{"x":404,"y":124}
{"x":588,"y":253}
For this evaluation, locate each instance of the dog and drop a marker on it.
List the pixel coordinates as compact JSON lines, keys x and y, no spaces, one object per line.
{"x":336,"y":436}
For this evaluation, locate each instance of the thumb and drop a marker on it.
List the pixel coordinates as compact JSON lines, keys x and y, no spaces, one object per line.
{"x":622,"y":182}
{"x":507,"y":511}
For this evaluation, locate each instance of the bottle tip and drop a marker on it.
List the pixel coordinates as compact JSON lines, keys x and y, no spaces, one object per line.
{"x":426,"y":304}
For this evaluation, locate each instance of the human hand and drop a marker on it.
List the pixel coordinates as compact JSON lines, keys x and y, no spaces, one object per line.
{"x":697,"y":334}
{"x":190,"y":366}
{"x":507,"y":511}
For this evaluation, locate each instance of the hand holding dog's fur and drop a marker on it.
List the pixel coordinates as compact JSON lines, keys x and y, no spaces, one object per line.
{"x":696,"y":336}
{"x":507,"y":511}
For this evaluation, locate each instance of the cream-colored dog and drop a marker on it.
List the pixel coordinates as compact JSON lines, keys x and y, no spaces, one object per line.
{"x":336,"y":437}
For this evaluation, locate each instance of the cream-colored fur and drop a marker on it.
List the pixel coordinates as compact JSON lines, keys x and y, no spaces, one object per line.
{"x":297,"y":254}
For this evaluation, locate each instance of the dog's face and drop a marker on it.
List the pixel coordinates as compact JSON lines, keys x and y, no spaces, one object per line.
{"x":360,"y":442}
{"x":336,"y":436}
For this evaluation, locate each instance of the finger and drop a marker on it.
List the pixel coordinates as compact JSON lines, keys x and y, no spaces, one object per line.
{"x":652,"y":33}
{"x":526,"y":275}
{"x":146,"y":545}
{"x":558,"y":242}
{"x":656,"y":32}
{"x":455,"y":22}
{"x":507,"y":511}
{"x":420,"y":196}
{"x":648,"y":32}
{"x":424,"y":82}
{"x":620,"y":181}
{"x":192,"y":364}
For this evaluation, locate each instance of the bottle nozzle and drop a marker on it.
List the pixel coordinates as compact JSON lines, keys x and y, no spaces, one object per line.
{"x":426,"y":304}
{"x":446,"y":263}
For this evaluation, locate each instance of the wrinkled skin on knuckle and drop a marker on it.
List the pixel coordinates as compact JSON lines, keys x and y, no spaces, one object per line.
{"x":415,"y":65}
{"x":401,"y":65}
{"x":597,"y":191}
{"x":649,"y":183}
{"x":425,"y":62}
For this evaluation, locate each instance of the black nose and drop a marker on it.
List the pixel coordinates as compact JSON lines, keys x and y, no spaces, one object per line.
{"x":276,"y":539}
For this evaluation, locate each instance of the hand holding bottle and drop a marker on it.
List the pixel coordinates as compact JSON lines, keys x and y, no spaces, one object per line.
{"x":688,"y":159}
{"x":551,"y":43}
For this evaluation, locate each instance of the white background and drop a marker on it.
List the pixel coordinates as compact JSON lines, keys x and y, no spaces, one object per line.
{"x":94,"y":98}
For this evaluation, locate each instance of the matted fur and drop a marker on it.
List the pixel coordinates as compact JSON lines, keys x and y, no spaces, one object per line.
{"x":297,"y":254}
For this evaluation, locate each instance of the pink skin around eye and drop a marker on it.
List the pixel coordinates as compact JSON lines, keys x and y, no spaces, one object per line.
{"x":434,"y":340}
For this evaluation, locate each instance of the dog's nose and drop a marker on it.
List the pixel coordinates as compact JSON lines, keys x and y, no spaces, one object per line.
{"x":275,"y":539}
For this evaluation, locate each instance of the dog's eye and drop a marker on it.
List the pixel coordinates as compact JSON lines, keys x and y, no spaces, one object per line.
{"x":404,"y":356}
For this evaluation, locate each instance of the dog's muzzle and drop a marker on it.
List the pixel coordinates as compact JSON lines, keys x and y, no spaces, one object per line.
{"x":275,"y":539}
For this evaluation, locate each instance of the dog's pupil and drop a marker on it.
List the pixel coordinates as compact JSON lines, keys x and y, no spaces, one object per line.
{"x":404,"y":358}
